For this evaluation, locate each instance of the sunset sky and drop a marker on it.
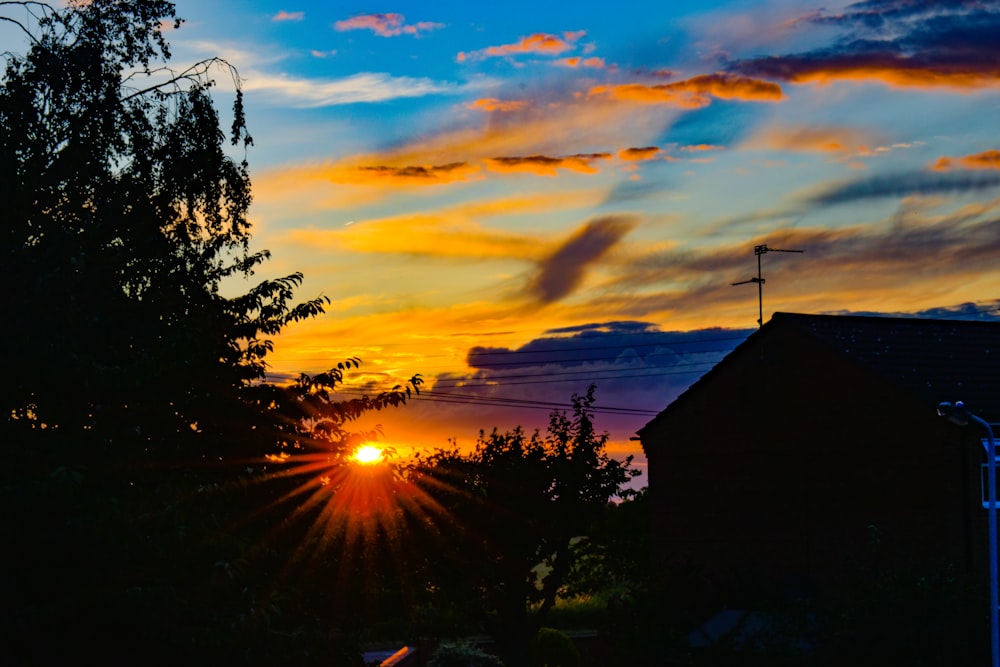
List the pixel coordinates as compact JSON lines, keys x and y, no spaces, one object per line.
{"x":465,"y":179}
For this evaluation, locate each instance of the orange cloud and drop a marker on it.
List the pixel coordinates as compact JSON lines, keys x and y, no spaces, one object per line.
{"x":288,"y":16}
{"x":888,"y":68}
{"x":543,"y":165}
{"x":410,"y":174}
{"x":986,"y":160}
{"x":637,"y":154}
{"x":385,"y":25}
{"x":493,"y":104}
{"x":695,"y":92}
{"x":814,"y":139}
{"x":423,"y":235}
{"x":577,"y":61}
{"x":540,"y":43}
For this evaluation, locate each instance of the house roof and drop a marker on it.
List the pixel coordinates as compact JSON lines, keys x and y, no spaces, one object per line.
{"x":937,"y":360}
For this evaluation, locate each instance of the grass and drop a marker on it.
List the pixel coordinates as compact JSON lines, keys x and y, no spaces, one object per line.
{"x":582,"y":612}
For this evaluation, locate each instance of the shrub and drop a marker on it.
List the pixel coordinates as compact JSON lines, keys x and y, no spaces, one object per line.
{"x":552,"y":648}
{"x":462,"y":655}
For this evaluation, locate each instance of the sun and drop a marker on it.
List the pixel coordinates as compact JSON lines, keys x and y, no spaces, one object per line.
{"x":368,"y":454}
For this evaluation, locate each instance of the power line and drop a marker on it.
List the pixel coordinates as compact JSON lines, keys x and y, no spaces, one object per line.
{"x":524,"y":402}
{"x":501,"y":402}
{"x":499,"y":381}
{"x":591,"y":370}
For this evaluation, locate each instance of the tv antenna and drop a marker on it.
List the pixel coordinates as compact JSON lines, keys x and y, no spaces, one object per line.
{"x":760,"y":250}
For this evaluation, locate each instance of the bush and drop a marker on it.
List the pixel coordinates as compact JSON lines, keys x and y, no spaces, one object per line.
{"x":462,"y":655}
{"x":552,"y":648}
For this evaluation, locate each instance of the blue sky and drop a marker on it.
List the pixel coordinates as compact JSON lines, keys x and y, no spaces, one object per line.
{"x":457,"y":176}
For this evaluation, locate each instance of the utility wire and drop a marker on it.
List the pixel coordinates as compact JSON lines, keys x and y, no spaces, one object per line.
{"x":519,"y":402}
{"x":499,"y":381}
{"x":589,"y":371}
{"x":497,"y":401}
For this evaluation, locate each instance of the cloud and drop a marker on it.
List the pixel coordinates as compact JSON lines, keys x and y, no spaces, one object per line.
{"x":288,"y":16}
{"x":912,"y":256}
{"x":385,"y":25}
{"x":543,"y":165}
{"x":454,"y":232}
{"x":695,"y":92}
{"x":986,"y":160}
{"x":888,"y":68}
{"x":539,"y":43}
{"x":639,"y":154}
{"x":617,"y":342}
{"x":565,"y":269}
{"x":493,"y":104}
{"x":424,"y":235}
{"x":813,"y":139}
{"x":579,"y":61}
{"x":361,"y":87}
{"x":701,"y":148}
{"x":409,"y":174}
{"x":902,"y":185}
{"x":898,"y":43}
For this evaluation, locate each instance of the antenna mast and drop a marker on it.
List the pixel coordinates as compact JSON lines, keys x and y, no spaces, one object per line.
{"x":760,"y":250}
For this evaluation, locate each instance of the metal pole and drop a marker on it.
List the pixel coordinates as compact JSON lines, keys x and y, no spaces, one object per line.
{"x":958,"y":414}
{"x":760,"y":250}
{"x":991,"y":492}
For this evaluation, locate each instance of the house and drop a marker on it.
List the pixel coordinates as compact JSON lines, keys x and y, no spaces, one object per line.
{"x":814,"y":449}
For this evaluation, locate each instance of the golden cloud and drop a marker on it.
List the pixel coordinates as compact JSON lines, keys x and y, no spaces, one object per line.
{"x":424,"y":235}
{"x":409,"y":174}
{"x":544,"y":165}
{"x":578,"y":61}
{"x":493,"y":104}
{"x":539,"y":43}
{"x":695,"y":92}
{"x":890,"y":69}
{"x":638,"y":154}
{"x":813,"y":139}
{"x":986,"y":160}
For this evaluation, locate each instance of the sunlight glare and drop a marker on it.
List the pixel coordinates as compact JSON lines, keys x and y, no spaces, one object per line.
{"x":368,"y":454}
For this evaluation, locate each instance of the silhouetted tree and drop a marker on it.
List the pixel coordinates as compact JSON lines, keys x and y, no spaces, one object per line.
{"x":134,"y":367}
{"x":508,"y":515}
{"x":124,"y":215}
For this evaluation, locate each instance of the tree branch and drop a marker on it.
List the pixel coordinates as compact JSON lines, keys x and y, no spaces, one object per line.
{"x":192,"y":73}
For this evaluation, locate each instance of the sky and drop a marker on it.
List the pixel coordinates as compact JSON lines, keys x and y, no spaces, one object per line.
{"x":518,"y":199}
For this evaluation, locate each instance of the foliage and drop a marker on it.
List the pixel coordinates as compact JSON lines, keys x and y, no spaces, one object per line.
{"x":462,"y":655}
{"x":553,"y":648}
{"x":135,"y":412}
{"x":614,"y":559}
{"x":126,"y":226}
{"x":514,"y":507}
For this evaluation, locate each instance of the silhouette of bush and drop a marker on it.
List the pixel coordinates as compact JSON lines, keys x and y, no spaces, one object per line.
{"x":553,"y":648}
{"x":462,"y":655}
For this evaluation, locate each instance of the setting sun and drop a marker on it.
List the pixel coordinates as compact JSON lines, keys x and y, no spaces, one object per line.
{"x":368,"y":454}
